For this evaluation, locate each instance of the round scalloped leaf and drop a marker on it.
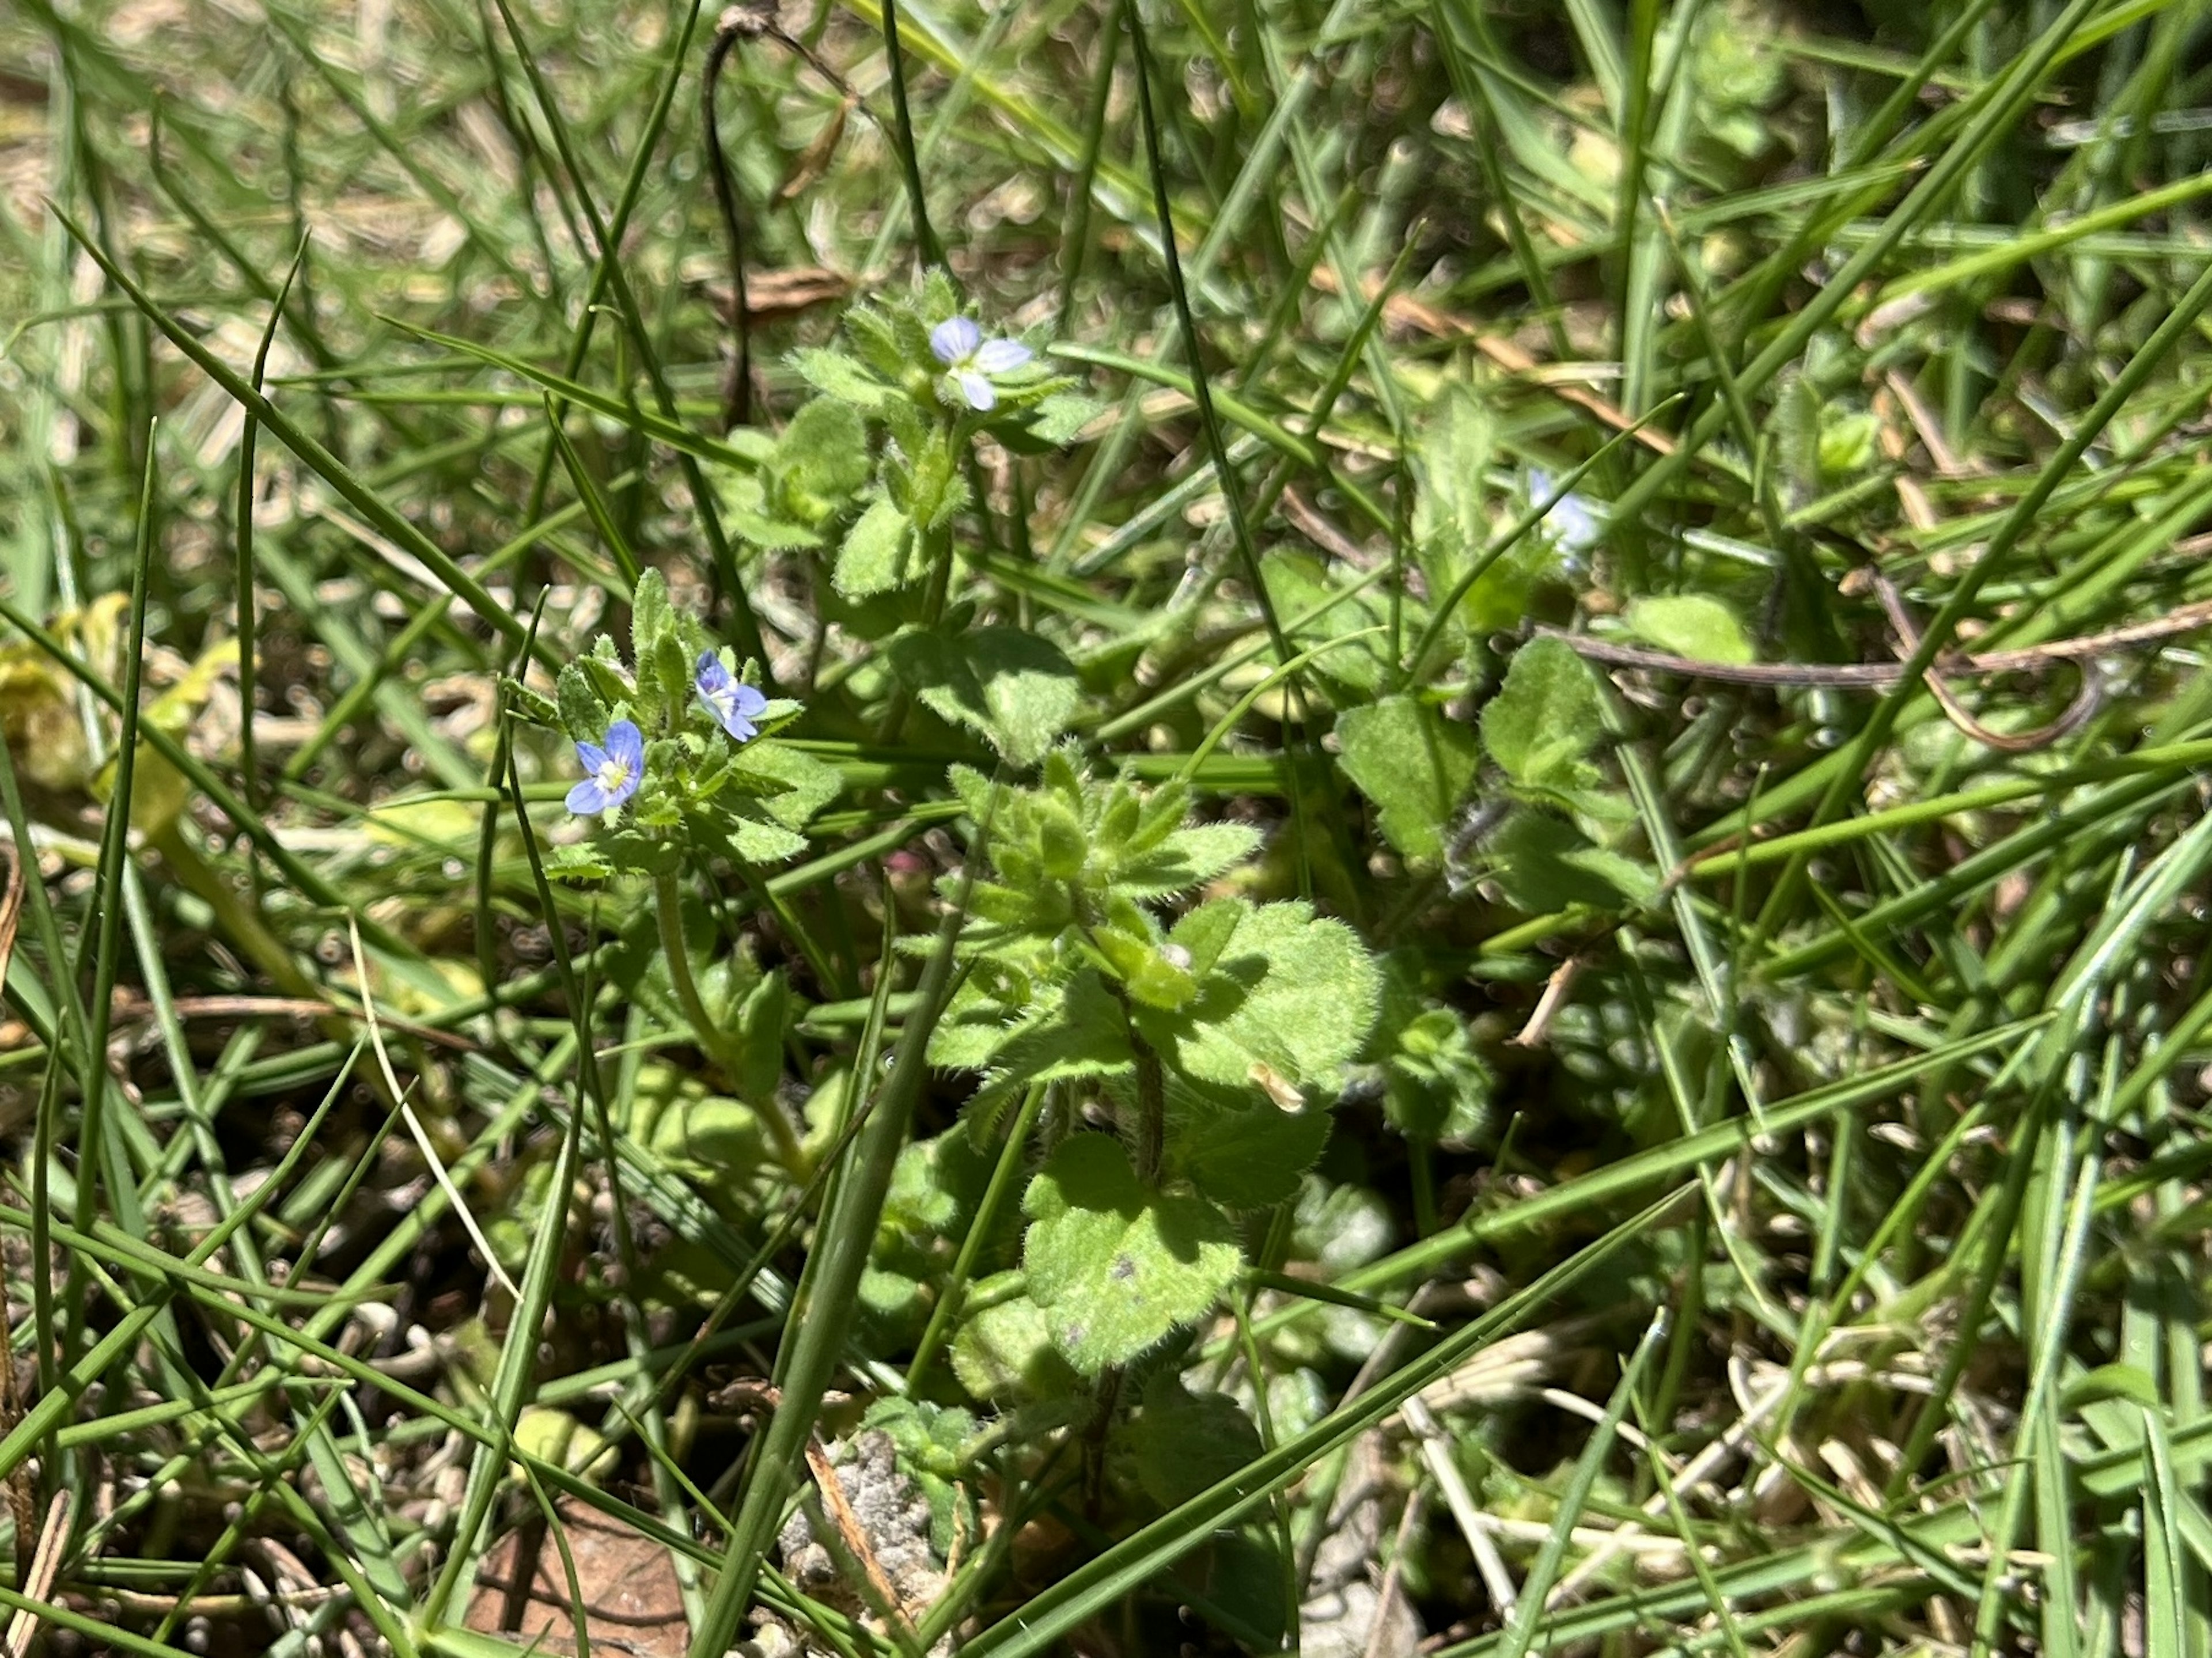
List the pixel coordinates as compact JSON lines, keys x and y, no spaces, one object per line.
{"x":1116,"y":1266}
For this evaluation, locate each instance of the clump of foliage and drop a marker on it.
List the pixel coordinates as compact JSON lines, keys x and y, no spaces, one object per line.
{"x":1406,"y":856}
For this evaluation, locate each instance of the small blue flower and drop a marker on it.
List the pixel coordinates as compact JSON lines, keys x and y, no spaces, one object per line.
{"x":734,"y":704}
{"x":970,"y":360}
{"x":611,"y":774}
{"x":1570,"y":522}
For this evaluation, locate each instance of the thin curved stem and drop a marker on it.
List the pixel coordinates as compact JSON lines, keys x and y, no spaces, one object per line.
{"x":668,"y":898}
{"x":737,"y":394}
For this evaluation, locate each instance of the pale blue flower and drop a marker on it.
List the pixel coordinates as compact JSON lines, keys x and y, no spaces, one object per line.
{"x":733,"y":704}
{"x":611,"y":774}
{"x":970,"y":360}
{"x":1570,"y":522}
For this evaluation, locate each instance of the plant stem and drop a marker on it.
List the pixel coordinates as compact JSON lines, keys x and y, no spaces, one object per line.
{"x":1151,"y":1110}
{"x":721,"y":1051}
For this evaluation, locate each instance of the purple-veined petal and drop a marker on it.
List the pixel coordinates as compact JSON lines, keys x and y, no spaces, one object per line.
{"x":713,"y":678}
{"x":737,"y":706}
{"x":723,"y":705}
{"x":626,"y":744}
{"x":625,"y":788}
{"x":1001,"y":356}
{"x":587,"y":798}
{"x":952,"y":340}
{"x":982,"y":395}
{"x":590,"y":756}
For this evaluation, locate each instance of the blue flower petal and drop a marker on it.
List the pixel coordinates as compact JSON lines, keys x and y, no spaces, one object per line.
{"x":1577,"y":530}
{"x":1001,"y":357}
{"x":588,"y":799}
{"x":590,"y":756}
{"x":952,"y":340}
{"x":626,"y":744}
{"x":731,"y":702}
{"x":982,"y":396}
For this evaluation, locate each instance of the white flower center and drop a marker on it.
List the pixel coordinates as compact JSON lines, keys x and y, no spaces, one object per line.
{"x":613,"y":774}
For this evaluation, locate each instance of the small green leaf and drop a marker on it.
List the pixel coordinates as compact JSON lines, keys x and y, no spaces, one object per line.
{"x":1451,"y":455}
{"x":1847,"y":444}
{"x":1186,"y":1442}
{"x":1115,"y":1267}
{"x":1544,"y":864}
{"x":872,"y":559}
{"x":711,"y":1139}
{"x":1244,"y":1153}
{"x":1076,"y":1031}
{"x":1795,"y":428}
{"x":757,"y":842}
{"x":1545,"y":719}
{"x":1413,"y":764}
{"x":672,"y":671}
{"x":1436,"y":1087}
{"x":650,"y":617}
{"x":935,"y":489}
{"x":1291,"y":1000}
{"x":761,"y":1020}
{"x":1204,"y":931}
{"x":578,"y":862}
{"x":823,"y":454}
{"x":1006,"y":1351}
{"x":1060,"y":416}
{"x":842,"y":377}
{"x":1186,"y":858}
{"x":1694,"y":625}
{"x":755,"y":521}
{"x":583,"y":716}
{"x":1014,"y":688}
{"x":805,"y":785}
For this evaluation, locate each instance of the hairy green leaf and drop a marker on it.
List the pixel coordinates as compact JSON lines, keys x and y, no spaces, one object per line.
{"x":1545,"y":719}
{"x":1115,"y":1267}
{"x":1017,"y":689}
{"x":1414,"y":763}
{"x":1694,"y":625}
{"x":872,"y":557}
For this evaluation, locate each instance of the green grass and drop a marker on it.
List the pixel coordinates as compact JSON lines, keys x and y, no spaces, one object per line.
{"x":1777,"y":1154}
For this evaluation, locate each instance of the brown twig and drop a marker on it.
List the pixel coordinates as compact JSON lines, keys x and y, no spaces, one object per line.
{"x":855,"y":1537}
{"x":2086,"y":702}
{"x":1548,"y":1004}
{"x":46,"y":1566}
{"x":1319,"y":530}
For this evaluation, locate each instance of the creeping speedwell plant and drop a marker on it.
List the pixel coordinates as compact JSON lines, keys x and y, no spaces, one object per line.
{"x":681,"y":766}
{"x":909,"y":412}
{"x":1206,"y":1040}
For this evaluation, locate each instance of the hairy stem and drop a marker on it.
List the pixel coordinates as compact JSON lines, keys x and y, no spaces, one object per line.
{"x":1151,"y":1109}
